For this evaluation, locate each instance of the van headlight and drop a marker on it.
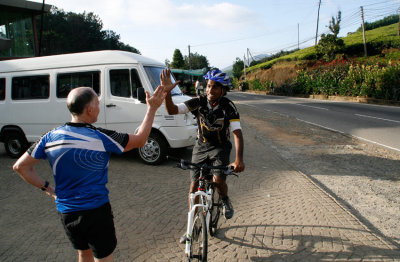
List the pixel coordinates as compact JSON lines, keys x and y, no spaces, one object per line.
{"x":188,"y":118}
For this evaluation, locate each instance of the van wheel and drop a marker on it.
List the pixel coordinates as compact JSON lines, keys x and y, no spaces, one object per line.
{"x":15,"y":144}
{"x":155,"y":149}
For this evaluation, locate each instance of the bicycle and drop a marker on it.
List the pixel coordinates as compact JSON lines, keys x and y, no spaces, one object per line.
{"x":205,"y":214}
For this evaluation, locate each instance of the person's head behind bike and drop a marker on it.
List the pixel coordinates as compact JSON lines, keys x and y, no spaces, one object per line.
{"x":217,"y":85}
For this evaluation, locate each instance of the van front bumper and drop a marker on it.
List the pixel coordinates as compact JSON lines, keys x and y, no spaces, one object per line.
{"x":182,"y":136}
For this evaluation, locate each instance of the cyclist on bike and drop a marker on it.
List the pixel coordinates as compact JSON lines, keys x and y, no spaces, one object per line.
{"x":215,"y":115}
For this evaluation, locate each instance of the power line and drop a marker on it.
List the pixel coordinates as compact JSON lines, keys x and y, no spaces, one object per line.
{"x":384,"y":2}
{"x":351,"y":19}
{"x":348,"y":23}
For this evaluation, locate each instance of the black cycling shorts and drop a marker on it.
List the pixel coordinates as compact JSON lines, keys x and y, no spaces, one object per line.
{"x":212,"y":155}
{"x":92,"y":229}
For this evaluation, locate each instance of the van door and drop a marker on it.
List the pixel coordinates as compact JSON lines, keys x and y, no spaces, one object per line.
{"x":123,"y":111}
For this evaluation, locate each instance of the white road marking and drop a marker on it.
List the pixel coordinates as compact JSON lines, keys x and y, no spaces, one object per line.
{"x":384,"y":119}
{"x":358,"y":137}
{"x":315,"y":107}
{"x":331,"y":129}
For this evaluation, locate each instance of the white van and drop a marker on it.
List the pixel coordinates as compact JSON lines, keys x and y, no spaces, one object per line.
{"x":33,"y":95}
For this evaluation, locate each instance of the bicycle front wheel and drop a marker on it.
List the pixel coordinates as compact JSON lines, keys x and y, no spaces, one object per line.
{"x":215,"y":213}
{"x":199,"y":245}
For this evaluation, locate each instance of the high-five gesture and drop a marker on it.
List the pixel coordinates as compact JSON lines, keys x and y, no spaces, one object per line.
{"x":165,"y":79}
{"x":157,"y":98}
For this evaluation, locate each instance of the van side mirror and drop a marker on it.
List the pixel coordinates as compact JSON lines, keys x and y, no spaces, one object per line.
{"x":141,"y":95}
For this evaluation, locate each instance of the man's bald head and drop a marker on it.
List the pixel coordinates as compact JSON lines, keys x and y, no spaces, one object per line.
{"x":78,"y":98}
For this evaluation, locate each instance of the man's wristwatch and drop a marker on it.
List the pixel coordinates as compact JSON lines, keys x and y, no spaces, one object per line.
{"x":46,"y":184}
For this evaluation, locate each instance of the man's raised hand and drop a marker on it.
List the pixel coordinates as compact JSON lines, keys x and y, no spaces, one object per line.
{"x":165,"y":79}
{"x":157,"y":98}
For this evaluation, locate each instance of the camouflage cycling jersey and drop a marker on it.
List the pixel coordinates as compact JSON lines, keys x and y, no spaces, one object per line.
{"x":213,"y":123}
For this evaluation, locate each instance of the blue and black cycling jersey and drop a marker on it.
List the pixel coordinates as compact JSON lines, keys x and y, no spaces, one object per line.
{"x":78,"y":155}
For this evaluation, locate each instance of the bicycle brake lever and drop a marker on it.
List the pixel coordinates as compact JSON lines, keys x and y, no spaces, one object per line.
{"x":183,"y":165}
{"x":229,"y":171}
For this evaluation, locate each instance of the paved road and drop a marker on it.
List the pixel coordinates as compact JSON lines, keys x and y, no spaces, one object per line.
{"x":373,"y":123}
{"x":281,"y":215}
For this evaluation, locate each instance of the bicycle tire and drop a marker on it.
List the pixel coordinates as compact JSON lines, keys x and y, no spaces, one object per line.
{"x":214,"y":213}
{"x":199,"y":245}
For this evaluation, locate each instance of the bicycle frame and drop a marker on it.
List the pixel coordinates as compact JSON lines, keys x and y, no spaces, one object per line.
{"x":207,"y":194}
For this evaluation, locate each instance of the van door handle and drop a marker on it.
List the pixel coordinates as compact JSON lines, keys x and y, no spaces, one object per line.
{"x":110,"y":105}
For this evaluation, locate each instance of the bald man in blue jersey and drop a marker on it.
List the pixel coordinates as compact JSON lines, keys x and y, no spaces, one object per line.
{"x":78,"y":154}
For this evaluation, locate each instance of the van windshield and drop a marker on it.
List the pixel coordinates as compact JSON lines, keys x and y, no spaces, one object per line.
{"x":153,"y":74}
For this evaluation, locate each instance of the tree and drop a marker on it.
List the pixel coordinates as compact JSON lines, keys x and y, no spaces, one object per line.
{"x":237,"y":69}
{"x":177,"y":59}
{"x":388,"y":20}
{"x":196,"y":62}
{"x":329,"y":45}
{"x":126,"y":47}
{"x":334,"y":25}
{"x":71,"y":32}
{"x":167,"y":63}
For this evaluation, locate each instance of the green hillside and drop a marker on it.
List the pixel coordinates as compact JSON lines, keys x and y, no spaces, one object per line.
{"x":384,"y":34}
{"x":350,"y":74}
{"x":377,"y":40}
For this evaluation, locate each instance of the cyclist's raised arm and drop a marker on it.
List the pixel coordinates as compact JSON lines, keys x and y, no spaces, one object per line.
{"x":165,"y":80}
{"x":172,"y":109}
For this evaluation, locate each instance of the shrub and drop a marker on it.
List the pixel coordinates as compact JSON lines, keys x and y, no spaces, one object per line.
{"x":235,"y":83}
{"x":388,"y":86}
{"x":243,"y":85}
{"x":377,"y":80}
{"x":329,"y":45}
{"x":255,"y":84}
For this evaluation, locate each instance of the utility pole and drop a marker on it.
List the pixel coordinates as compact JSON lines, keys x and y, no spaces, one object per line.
{"x":244,"y":66}
{"x":363,"y":27}
{"x":316,"y":34}
{"x":399,"y":23}
{"x":248,"y":59}
{"x":298,"y":36}
{"x":190,"y":66}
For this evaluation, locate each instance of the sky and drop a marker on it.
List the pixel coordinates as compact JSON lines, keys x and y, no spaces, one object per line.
{"x":225,"y":30}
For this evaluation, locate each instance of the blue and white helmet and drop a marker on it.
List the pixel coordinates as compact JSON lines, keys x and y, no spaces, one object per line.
{"x":217,"y":76}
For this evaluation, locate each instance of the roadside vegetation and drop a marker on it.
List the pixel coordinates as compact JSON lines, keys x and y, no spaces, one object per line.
{"x":335,"y":67}
{"x":69,"y":32}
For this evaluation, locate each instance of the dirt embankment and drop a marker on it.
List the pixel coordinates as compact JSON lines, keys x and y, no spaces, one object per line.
{"x":278,"y":73}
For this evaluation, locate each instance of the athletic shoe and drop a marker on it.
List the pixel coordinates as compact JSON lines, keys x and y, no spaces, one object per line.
{"x":227,"y":208}
{"x":183,"y":239}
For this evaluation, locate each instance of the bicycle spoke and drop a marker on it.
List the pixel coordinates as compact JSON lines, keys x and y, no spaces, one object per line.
{"x":198,"y":247}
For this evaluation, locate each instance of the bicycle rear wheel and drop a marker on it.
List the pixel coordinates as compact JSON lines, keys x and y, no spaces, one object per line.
{"x":199,"y":245}
{"x":215,"y":213}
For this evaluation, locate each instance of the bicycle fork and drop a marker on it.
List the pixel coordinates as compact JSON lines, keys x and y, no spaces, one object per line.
{"x":191,"y":214}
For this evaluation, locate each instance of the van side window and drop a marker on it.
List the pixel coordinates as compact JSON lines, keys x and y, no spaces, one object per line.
{"x":2,"y":89}
{"x":120,"y":82}
{"x":68,"y":81}
{"x":30,"y":87}
{"x":136,"y":83}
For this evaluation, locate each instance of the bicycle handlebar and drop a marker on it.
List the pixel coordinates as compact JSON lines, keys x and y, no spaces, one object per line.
{"x":185,"y":164}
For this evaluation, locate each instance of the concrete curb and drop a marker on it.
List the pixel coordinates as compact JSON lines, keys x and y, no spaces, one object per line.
{"x":365,"y":100}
